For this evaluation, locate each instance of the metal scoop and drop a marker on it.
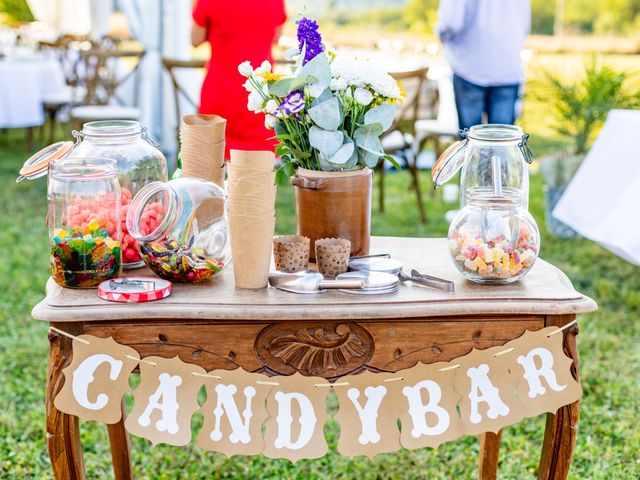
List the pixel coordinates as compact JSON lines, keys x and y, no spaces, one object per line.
{"x":389,"y":265}
{"x":310,"y":282}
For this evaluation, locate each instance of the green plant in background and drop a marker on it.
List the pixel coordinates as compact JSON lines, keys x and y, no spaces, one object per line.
{"x":15,"y":11}
{"x":579,"y":109}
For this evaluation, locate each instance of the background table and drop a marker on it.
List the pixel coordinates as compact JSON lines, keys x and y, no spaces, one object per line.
{"x":217,"y":326}
{"x":23,"y":85}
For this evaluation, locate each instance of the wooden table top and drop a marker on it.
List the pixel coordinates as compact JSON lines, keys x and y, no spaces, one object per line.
{"x":544,"y":290}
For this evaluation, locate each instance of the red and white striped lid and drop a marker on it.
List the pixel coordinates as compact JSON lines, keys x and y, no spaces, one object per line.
{"x":134,"y":289}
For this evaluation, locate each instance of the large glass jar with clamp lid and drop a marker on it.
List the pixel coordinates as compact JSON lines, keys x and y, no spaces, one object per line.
{"x":493,"y":238}
{"x":139,"y":161}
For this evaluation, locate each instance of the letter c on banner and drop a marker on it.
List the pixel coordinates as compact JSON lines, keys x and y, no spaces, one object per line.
{"x":83,"y":376}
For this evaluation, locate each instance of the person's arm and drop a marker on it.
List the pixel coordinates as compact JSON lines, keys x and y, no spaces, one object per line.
{"x":451,"y":15}
{"x":200,"y":22}
{"x":198,"y":35}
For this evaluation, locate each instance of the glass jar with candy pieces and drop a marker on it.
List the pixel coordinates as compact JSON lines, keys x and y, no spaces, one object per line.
{"x":139,"y":162}
{"x":84,"y":222}
{"x":181,"y":228}
{"x":493,"y":238}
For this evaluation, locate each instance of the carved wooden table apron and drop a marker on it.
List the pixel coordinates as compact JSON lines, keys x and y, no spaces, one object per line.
{"x":217,"y":326}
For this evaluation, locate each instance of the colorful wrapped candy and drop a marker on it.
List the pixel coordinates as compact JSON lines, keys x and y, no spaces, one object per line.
{"x":497,"y":258}
{"x":84,"y":257}
{"x":179,"y":264}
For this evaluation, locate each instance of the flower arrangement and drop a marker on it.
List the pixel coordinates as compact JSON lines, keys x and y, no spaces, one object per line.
{"x":329,"y":112}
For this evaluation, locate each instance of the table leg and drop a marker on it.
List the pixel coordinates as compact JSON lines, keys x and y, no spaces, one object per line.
{"x":561,"y":430}
{"x":120,"y":449}
{"x":489,"y":452}
{"x":63,"y":431}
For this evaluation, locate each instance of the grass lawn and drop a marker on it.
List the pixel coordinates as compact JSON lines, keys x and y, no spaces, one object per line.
{"x":609,"y":440}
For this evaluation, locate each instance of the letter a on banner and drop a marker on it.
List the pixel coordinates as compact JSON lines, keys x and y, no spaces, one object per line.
{"x":97,"y":379}
{"x":543,"y":372}
{"x":165,"y":400}
{"x":429,"y":415}
{"x":234,"y":412}
{"x":297,"y":413}
{"x":487,"y":391}
{"x":368,"y":413}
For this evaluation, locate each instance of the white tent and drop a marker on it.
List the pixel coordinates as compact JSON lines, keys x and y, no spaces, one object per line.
{"x":601,"y":202}
{"x":162,"y":26}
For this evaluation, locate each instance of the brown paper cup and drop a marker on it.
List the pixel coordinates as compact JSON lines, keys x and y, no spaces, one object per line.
{"x":257,"y":159}
{"x":266,"y":178}
{"x":332,"y":256}
{"x":251,"y":240}
{"x":291,"y":253}
{"x":202,"y":143}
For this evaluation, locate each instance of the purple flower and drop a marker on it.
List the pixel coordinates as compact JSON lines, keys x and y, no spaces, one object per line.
{"x":308,"y":34}
{"x":293,"y":103}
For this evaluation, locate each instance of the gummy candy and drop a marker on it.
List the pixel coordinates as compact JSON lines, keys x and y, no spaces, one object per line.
{"x":179,"y":264}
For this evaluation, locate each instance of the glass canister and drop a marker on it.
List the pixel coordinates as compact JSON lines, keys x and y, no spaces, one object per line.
{"x":493,"y":238}
{"x":181,"y":228}
{"x":84,"y":222}
{"x":139,"y":162}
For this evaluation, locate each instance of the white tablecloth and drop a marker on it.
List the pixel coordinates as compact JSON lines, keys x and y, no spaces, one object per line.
{"x":23,"y":84}
{"x":601,"y":202}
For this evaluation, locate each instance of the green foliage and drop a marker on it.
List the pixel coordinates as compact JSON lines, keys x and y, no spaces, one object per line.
{"x":542,"y":17}
{"x":16,"y":10}
{"x":580,"y":107}
{"x":421,"y":15}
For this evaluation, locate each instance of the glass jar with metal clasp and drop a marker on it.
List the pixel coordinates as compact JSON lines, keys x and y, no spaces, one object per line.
{"x":493,"y":239}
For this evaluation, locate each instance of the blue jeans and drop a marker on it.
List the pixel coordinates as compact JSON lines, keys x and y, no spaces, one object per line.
{"x":473,"y":100}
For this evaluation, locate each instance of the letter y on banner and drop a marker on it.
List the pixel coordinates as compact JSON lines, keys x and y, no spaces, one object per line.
{"x":165,"y":400}
{"x":368,"y":413}
{"x":97,"y":379}
{"x":542,"y":372}
{"x":234,"y":412}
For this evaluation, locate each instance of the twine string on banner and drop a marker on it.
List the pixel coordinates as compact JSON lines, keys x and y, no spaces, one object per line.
{"x":317,"y":385}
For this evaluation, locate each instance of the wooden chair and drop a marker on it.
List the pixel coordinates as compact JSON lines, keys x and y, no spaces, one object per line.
{"x":395,"y":140}
{"x":61,"y":49}
{"x":102,"y":82}
{"x":445,"y":125}
{"x":171,"y":65}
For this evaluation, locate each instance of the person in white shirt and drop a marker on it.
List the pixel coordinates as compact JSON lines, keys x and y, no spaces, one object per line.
{"x":482,"y":41}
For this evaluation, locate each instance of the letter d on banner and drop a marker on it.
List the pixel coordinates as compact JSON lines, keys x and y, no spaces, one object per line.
{"x":297,"y":412}
{"x":96,"y":379}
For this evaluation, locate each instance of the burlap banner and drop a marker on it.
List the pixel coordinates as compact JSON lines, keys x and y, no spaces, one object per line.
{"x":482,"y":391}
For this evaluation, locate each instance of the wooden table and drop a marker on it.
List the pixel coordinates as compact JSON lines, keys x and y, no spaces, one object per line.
{"x":218,"y":326}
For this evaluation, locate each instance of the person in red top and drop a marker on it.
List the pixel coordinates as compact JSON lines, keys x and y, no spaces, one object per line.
{"x":237,"y":31}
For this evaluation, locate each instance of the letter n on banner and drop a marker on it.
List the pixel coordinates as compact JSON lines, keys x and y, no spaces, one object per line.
{"x":297,"y":413}
{"x":368,"y":413}
{"x":97,"y":379}
{"x":429,"y":416}
{"x":234,"y":412}
{"x":542,"y":372}
{"x":487,"y":391}
{"x":165,"y":400}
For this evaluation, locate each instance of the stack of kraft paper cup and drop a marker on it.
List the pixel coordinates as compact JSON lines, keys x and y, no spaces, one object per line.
{"x":202,"y":147}
{"x":251,"y":215}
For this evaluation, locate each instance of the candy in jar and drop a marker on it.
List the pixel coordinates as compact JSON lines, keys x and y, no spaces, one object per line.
{"x":84,"y":222}
{"x":181,"y":228}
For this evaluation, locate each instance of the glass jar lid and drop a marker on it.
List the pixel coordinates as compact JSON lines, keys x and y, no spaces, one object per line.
{"x":449,"y":163}
{"x":37,"y":164}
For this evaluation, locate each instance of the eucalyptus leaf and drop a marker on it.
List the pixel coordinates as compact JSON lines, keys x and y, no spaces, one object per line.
{"x":324,"y":96}
{"x":325,"y":141}
{"x":343,"y":155}
{"x":382,"y":114}
{"x":318,"y":67}
{"x":368,"y":142}
{"x":327,"y":114}
{"x":284,"y":87}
